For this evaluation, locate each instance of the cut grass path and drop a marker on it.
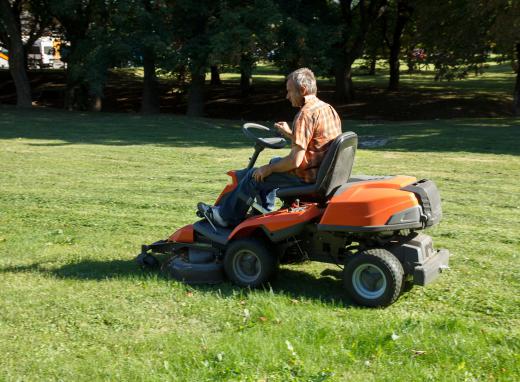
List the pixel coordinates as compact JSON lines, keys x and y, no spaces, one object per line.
{"x":79,"y":194}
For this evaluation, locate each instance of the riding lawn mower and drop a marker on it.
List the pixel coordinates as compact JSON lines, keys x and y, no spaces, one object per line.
{"x":369,"y":225}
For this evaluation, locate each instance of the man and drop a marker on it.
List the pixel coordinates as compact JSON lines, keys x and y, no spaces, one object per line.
{"x":314,"y":128}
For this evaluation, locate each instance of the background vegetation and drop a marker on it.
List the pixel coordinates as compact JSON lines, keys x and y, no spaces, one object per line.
{"x":188,"y":39}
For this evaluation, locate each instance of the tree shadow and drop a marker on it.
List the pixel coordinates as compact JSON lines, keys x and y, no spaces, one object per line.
{"x":69,"y":128}
{"x":492,"y":135}
{"x":326,"y":288}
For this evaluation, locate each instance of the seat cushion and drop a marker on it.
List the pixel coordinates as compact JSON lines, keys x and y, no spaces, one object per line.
{"x":290,"y":192}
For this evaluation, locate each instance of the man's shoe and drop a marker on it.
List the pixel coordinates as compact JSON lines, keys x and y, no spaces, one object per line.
{"x":212,"y":214}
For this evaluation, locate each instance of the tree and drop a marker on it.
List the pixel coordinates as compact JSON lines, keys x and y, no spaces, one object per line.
{"x":193,"y":24}
{"x":506,"y":34}
{"x":142,"y":26}
{"x":306,"y":36}
{"x":244,"y":35}
{"x":396,"y":17}
{"x":82,"y":23}
{"x":460,"y":35}
{"x":22,"y":22}
{"x":357,"y":18}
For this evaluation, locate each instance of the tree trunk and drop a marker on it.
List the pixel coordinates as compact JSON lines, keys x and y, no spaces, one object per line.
{"x":246,"y":82}
{"x":404,"y":11}
{"x":372,"y":66}
{"x":339,"y":80}
{"x":394,"y":66}
{"x":343,"y":79}
{"x":349,"y":84}
{"x":196,"y":95}
{"x":516,"y":96}
{"x":96,"y":103}
{"x":411,"y":66}
{"x":246,"y":74}
{"x":215,"y":76}
{"x":16,"y":56}
{"x":20,"y":78}
{"x":150,"y":100}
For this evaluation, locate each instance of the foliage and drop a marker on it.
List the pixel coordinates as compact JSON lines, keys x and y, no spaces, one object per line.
{"x":307,"y":35}
{"x":244,"y":28}
{"x":455,"y":35}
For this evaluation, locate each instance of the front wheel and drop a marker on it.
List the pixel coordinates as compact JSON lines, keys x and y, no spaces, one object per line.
{"x":248,"y":263}
{"x":374,"y":277}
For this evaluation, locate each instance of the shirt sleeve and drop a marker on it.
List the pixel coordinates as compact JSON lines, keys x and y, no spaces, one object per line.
{"x":302,"y":130}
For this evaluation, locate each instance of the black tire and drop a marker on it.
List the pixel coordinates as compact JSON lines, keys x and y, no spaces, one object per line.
{"x":374,"y":277}
{"x":145,"y":260}
{"x":249,"y":263}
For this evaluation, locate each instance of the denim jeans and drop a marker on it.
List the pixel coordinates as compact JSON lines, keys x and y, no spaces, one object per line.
{"x":234,"y":206}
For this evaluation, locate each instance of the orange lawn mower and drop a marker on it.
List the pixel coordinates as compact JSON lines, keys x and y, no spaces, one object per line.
{"x":369,"y":225}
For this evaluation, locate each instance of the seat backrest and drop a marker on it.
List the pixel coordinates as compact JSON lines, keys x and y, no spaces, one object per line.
{"x":336,"y":167}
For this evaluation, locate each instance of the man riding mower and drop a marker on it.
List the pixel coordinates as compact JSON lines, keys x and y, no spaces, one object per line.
{"x":367,"y":224}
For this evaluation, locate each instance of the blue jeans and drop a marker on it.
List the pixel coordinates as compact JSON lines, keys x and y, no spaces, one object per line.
{"x":234,"y":206}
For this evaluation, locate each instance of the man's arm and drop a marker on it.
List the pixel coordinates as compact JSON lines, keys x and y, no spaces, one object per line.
{"x":288,"y":163}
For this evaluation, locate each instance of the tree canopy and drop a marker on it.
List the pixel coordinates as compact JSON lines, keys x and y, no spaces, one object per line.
{"x":187,"y":37}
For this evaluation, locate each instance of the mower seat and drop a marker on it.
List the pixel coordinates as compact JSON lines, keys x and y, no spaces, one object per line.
{"x":334,"y":171}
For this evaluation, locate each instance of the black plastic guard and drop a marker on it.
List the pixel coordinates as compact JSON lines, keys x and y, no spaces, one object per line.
{"x":429,"y":198}
{"x":427,"y":272}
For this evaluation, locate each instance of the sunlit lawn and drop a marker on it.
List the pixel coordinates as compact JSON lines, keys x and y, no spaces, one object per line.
{"x":80,"y":193}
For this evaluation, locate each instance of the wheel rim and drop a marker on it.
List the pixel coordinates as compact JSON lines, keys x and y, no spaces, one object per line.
{"x":369,"y":281}
{"x":247,"y":266}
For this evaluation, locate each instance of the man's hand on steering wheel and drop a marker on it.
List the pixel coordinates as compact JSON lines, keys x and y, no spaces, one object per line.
{"x":284,"y":129}
{"x":261,"y":173}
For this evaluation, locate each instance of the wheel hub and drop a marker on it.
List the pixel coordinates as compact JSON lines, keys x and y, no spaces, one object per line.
{"x":247,"y":265}
{"x":369,"y":281}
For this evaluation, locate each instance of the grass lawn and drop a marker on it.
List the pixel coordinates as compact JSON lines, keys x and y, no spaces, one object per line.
{"x":80,"y":193}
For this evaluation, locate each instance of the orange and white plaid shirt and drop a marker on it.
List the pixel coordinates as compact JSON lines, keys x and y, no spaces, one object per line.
{"x":314,"y":128}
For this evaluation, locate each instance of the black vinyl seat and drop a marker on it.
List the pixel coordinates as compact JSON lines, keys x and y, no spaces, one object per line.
{"x":334,"y":171}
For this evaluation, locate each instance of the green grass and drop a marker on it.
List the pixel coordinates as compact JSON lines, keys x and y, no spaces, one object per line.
{"x":80,"y":193}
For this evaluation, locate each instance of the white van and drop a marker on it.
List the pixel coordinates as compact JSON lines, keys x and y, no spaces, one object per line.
{"x":45,"y":54}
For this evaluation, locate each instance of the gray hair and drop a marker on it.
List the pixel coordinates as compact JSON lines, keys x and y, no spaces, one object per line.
{"x":304,"y":77}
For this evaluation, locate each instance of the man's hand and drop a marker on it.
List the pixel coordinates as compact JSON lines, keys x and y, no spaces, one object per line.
{"x":261,"y":173}
{"x":283,"y":128}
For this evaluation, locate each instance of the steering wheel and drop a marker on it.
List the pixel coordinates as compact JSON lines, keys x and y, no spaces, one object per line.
{"x":272,"y":143}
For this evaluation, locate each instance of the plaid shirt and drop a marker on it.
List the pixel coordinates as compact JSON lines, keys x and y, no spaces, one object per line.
{"x":314,"y":127}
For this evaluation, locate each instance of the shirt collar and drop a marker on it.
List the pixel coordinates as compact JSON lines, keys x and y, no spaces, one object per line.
{"x":308,"y":99}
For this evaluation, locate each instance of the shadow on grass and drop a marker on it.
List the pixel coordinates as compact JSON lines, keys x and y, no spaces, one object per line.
{"x":492,"y":135}
{"x":118,"y":130}
{"x":326,"y":288}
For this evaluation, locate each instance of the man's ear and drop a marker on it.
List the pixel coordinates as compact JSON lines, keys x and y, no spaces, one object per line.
{"x":303,"y":91}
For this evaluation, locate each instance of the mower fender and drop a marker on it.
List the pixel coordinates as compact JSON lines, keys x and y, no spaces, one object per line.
{"x":278,"y":225}
{"x":183,"y":235}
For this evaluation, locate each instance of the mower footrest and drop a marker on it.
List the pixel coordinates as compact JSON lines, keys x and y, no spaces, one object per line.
{"x":428,"y":271}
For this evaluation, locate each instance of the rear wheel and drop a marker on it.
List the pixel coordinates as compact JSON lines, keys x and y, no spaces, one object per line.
{"x":249,"y":263}
{"x":374,"y":277}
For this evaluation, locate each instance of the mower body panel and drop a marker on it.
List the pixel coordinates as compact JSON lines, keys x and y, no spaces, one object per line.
{"x":280,"y":224}
{"x":372,"y":206}
{"x":185,"y":234}
{"x":229,"y":187}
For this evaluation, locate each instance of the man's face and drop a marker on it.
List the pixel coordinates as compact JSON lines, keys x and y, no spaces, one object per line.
{"x":293,"y":94}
